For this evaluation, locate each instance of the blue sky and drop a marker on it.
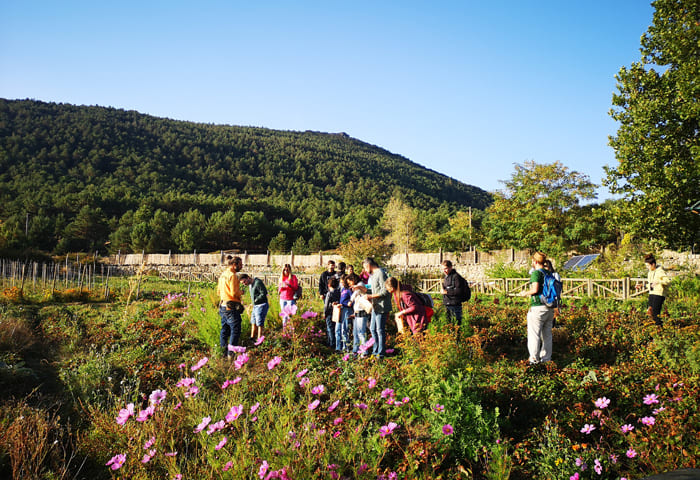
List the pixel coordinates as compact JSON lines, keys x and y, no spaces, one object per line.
{"x":466,"y":88}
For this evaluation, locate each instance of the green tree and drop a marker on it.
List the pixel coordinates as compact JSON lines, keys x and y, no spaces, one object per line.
{"x":537,"y":208}
{"x":657,"y":145}
{"x":188,"y":234}
{"x":278,"y":244}
{"x":316,"y":242}
{"x":355,"y":250}
{"x":400,"y":221}
{"x":300,"y":247}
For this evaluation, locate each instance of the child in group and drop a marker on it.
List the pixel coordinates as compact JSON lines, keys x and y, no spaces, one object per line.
{"x":342,"y":339}
{"x":361,"y":315}
{"x":332,"y":297}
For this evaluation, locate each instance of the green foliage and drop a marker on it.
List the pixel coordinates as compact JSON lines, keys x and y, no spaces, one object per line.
{"x":85,"y":175}
{"x":538,"y":209}
{"x":657,"y":144}
{"x":354,"y":251}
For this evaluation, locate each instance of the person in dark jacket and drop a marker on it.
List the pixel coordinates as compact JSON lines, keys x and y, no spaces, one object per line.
{"x":332,"y":297}
{"x":325,"y":276}
{"x":453,"y":292}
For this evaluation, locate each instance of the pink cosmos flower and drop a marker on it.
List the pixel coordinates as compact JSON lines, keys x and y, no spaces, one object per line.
{"x":194,"y":390}
{"x":587,"y":428}
{"x":631,"y":453}
{"x":385,"y":430}
{"x":236,"y":349}
{"x":598,"y":467}
{"x":215,"y":427}
{"x":656,"y":411}
{"x":627,"y":428}
{"x":405,"y":400}
{"x":199,"y":364}
{"x":171,"y":454}
{"x":146,"y":414}
{"x":387,"y":392}
{"x":203,"y":424}
{"x":338,"y":421}
{"x":447,"y":429}
{"x":302,"y":373}
{"x":574,"y":476}
{"x":318,"y":390}
{"x":221,"y":444}
{"x":651,"y":399}
{"x":124,"y":414}
{"x":178,"y":477}
{"x":363,"y":468}
{"x":288,"y":311}
{"x":371,"y":382}
{"x":264,"y":468}
{"x":148,"y":456}
{"x":234,"y":413}
{"x":157,"y":396}
{"x":439,"y":408}
{"x":346,"y":357}
{"x":185,"y":382}
{"x":602,"y":402}
{"x":228,"y":466}
{"x":273,"y":363}
{"x":366,"y":346}
{"x":313,"y":405}
{"x":260,"y":340}
{"x":648,"y":421}
{"x":177,"y":407}
{"x":181,"y":366}
{"x":241,"y":360}
{"x":116,"y":462}
{"x":254,"y":408}
{"x":334,"y":405}
{"x":309,"y":314}
{"x":149,"y":443}
{"x":613,"y":458}
{"x":304,"y":382}
{"x":361,"y":406}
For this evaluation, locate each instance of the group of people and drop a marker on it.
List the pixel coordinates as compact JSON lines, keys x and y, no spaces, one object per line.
{"x":361,"y":303}
{"x":357,"y":303}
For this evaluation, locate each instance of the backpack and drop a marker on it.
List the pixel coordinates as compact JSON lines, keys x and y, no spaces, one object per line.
{"x":425,"y":299}
{"x":467,"y":291}
{"x":551,"y":290}
{"x":297,"y":293}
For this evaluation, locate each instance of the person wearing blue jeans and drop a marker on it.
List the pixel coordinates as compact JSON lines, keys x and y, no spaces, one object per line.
{"x":381,"y":306}
{"x":332,"y":296}
{"x":258,"y":294}
{"x":229,"y":292}
{"x":359,"y":324}
{"x":342,"y":339}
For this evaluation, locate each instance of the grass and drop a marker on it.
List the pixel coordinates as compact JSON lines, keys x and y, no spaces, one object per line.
{"x":448,"y":405}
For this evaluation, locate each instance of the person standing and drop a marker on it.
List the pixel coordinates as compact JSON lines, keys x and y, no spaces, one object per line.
{"x":323,"y":280}
{"x":287,"y":286}
{"x":342,"y":338}
{"x":381,"y":306}
{"x":540,"y":317}
{"x":658,"y":287}
{"x":332,"y":297}
{"x":230,"y":308}
{"x":258,"y":295}
{"x":454,"y":292}
{"x":359,"y":325}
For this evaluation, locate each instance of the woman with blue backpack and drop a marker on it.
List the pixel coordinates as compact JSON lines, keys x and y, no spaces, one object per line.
{"x":540,"y":317}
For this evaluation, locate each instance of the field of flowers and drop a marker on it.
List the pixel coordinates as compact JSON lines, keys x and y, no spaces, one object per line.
{"x":139,"y":390}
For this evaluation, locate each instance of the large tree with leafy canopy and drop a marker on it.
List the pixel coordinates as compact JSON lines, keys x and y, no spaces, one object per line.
{"x":658,"y":141}
{"x":538,"y":209}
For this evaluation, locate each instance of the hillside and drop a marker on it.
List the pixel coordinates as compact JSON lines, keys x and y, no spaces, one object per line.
{"x":83,"y":175}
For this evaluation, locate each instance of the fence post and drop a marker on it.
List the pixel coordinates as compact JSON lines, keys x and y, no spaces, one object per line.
{"x":589,"y":287}
{"x":626,"y":288}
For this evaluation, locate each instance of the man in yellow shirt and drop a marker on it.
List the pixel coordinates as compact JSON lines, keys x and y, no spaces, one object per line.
{"x":230,"y":308}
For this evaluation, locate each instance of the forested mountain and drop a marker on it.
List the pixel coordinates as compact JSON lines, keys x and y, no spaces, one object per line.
{"x":79,"y":178}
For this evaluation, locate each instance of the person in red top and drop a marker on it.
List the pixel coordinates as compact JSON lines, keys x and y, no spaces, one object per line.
{"x":287,"y":286}
{"x":411,"y":307}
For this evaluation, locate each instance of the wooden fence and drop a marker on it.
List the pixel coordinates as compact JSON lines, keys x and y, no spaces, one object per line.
{"x":95,"y":276}
{"x":415,"y":260}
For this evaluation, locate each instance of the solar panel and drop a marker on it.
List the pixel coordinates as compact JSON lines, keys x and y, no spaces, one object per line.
{"x":580,"y":262}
